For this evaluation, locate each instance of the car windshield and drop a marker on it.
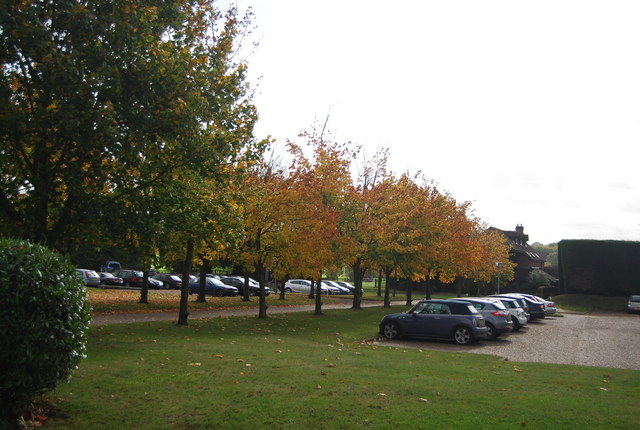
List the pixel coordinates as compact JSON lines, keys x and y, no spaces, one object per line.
{"x":634,"y":299}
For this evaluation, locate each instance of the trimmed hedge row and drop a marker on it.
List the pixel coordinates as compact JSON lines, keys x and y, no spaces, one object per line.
{"x":605,"y":267}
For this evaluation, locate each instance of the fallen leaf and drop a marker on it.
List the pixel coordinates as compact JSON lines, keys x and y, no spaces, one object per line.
{"x":193,"y":364}
{"x":424,"y":400}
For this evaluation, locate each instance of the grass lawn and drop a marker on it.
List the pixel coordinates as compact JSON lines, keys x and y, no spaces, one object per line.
{"x":588,"y":303}
{"x":119,"y":301}
{"x":294,"y":371}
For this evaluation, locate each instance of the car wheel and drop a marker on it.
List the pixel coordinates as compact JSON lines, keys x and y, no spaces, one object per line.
{"x":127,"y":284}
{"x":391,"y":330}
{"x":491,"y":332}
{"x":219,"y":293}
{"x":462,"y":336}
{"x":516,"y":324}
{"x":288,"y":290}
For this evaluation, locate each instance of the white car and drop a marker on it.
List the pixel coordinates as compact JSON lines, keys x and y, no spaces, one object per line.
{"x":89,"y":277}
{"x":301,"y":286}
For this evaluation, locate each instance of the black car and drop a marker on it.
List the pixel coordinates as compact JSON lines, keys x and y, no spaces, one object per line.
{"x":131,"y":278}
{"x":107,"y":278}
{"x":238,"y":282}
{"x":212,"y":286}
{"x":438,"y":319}
{"x":168,"y":280}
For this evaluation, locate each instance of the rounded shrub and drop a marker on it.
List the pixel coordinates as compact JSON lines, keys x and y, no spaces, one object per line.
{"x":44,"y":317}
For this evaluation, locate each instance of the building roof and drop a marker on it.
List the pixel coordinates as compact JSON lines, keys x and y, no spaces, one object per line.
{"x":518,"y":242}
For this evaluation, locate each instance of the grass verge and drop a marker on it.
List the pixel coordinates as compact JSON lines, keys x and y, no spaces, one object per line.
{"x":590,"y":303}
{"x":294,"y":371}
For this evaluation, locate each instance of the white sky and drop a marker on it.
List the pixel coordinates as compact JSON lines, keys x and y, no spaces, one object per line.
{"x":530,"y":110}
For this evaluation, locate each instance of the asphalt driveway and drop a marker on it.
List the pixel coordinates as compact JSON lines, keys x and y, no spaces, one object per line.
{"x":604,"y":340}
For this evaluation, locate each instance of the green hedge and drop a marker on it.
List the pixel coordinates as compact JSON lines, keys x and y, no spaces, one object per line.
{"x":605,"y":267}
{"x":44,"y":318}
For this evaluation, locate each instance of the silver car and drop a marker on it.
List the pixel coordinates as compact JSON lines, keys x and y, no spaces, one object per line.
{"x":89,"y":277}
{"x":518,"y":315}
{"x":633,"y":305}
{"x":498,"y":318}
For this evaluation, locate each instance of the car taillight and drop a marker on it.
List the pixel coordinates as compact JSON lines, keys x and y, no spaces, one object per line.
{"x":549,"y":305}
{"x":501,"y":314}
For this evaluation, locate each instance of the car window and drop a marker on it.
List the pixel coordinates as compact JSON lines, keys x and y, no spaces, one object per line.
{"x":478,"y":306}
{"x":472,"y":309}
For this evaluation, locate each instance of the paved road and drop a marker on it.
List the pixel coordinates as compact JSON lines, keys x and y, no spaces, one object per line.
{"x":606,"y":340}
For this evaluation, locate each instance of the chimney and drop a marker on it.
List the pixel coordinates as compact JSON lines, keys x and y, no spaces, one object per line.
{"x":519,"y":229}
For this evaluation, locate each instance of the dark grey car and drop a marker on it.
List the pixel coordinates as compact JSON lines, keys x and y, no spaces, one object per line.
{"x":497,"y":316}
{"x":438,"y":319}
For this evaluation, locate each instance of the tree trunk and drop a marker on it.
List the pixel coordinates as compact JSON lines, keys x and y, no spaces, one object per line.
{"x":357,"y":280}
{"x":202,"y":282}
{"x":245,"y":287}
{"x":319,"y":296}
{"x":380,"y":283}
{"x":409,"y":293}
{"x":387,"y":301}
{"x":312,"y":289}
{"x":144,"y":290}
{"x":183,"y":314}
{"x":262,"y":306}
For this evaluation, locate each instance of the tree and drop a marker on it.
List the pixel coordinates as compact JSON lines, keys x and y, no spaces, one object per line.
{"x":105,"y":103}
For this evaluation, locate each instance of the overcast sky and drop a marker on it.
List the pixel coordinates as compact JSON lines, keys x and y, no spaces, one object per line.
{"x":529,"y":110}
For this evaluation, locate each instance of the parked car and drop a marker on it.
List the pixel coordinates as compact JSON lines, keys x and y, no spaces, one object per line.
{"x":633,"y":305}
{"x":439,"y":319}
{"x":107,"y":278}
{"x":549,"y":306}
{"x":342,"y":290}
{"x":349,"y":286}
{"x":334,"y":289}
{"x":154,"y":283}
{"x":498,"y":318}
{"x":238,"y":282}
{"x":301,"y":286}
{"x":111,"y":266}
{"x":89,"y":277}
{"x":534,"y":307}
{"x":212,"y":286}
{"x":518,"y":315}
{"x":131,"y":278}
{"x":168,"y":280}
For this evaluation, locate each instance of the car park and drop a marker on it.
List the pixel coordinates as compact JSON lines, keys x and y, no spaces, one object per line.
{"x":238,"y":282}
{"x":633,"y":304}
{"x":301,"y":286}
{"x":89,"y":277}
{"x":498,"y":319}
{"x":437,"y":319}
{"x":107,"y":278}
{"x":168,"y":280}
{"x":212,"y":287}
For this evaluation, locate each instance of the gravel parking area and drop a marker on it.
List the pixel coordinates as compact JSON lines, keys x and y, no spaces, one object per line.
{"x":603,"y":340}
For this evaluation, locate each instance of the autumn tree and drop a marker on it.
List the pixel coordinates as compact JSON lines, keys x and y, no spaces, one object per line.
{"x":318,"y":187}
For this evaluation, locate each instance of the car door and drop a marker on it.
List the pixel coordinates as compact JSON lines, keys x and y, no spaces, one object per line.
{"x":426,"y":321}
